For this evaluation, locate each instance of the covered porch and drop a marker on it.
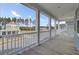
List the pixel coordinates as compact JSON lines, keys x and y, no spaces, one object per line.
{"x":59,"y":40}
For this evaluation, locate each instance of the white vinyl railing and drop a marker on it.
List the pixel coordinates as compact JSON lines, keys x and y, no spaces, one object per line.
{"x":10,"y":44}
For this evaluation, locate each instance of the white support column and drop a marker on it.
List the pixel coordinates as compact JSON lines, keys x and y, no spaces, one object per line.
{"x":76,"y":37}
{"x":55,"y":29}
{"x":66,"y":27}
{"x":38,"y":25}
{"x":49,"y":27}
{"x":58,"y":26}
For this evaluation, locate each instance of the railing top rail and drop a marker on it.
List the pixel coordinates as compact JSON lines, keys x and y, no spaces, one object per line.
{"x":21,"y":34}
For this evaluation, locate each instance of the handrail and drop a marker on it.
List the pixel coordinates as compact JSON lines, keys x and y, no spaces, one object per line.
{"x":21,"y":34}
{"x":15,"y":42}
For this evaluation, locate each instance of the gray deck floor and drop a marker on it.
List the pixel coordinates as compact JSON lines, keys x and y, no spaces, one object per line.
{"x":63,"y":44}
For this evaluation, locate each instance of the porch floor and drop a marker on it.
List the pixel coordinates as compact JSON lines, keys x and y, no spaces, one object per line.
{"x":63,"y":44}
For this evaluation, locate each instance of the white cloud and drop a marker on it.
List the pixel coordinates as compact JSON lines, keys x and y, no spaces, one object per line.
{"x":29,"y":16}
{"x":17,"y":3}
{"x":15,"y":13}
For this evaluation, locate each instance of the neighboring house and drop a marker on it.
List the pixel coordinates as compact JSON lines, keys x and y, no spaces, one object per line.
{"x":11,"y":28}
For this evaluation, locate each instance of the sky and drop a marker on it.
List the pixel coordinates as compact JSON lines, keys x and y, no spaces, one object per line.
{"x":18,"y":10}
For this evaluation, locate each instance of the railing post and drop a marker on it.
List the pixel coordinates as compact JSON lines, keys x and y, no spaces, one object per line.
{"x":38,"y":25}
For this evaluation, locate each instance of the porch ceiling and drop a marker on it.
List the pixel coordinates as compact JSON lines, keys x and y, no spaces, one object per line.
{"x":64,"y":11}
{"x":61,"y":11}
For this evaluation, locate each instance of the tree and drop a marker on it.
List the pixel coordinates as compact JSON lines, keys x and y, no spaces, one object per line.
{"x":14,"y":19}
{"x":1,"y":19}
{"x":7,"y":20}
{"x":22,"y":20}
{"x":30,"y":21}
{"x":26,"y":22}
{"x":34,"y":22}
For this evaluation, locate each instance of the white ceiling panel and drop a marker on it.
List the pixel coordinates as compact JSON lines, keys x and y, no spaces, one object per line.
{"x":60,"y":9}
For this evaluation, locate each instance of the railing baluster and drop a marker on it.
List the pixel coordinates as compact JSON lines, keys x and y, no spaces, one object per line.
{"x":18,"y":41}
{"x":15,"y":42}
{"x":11,"y":41}
{"x":31,"y":38}
{"x":23,"y":40}
{"x":2,"y":45}
{"x":7,"y":43}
